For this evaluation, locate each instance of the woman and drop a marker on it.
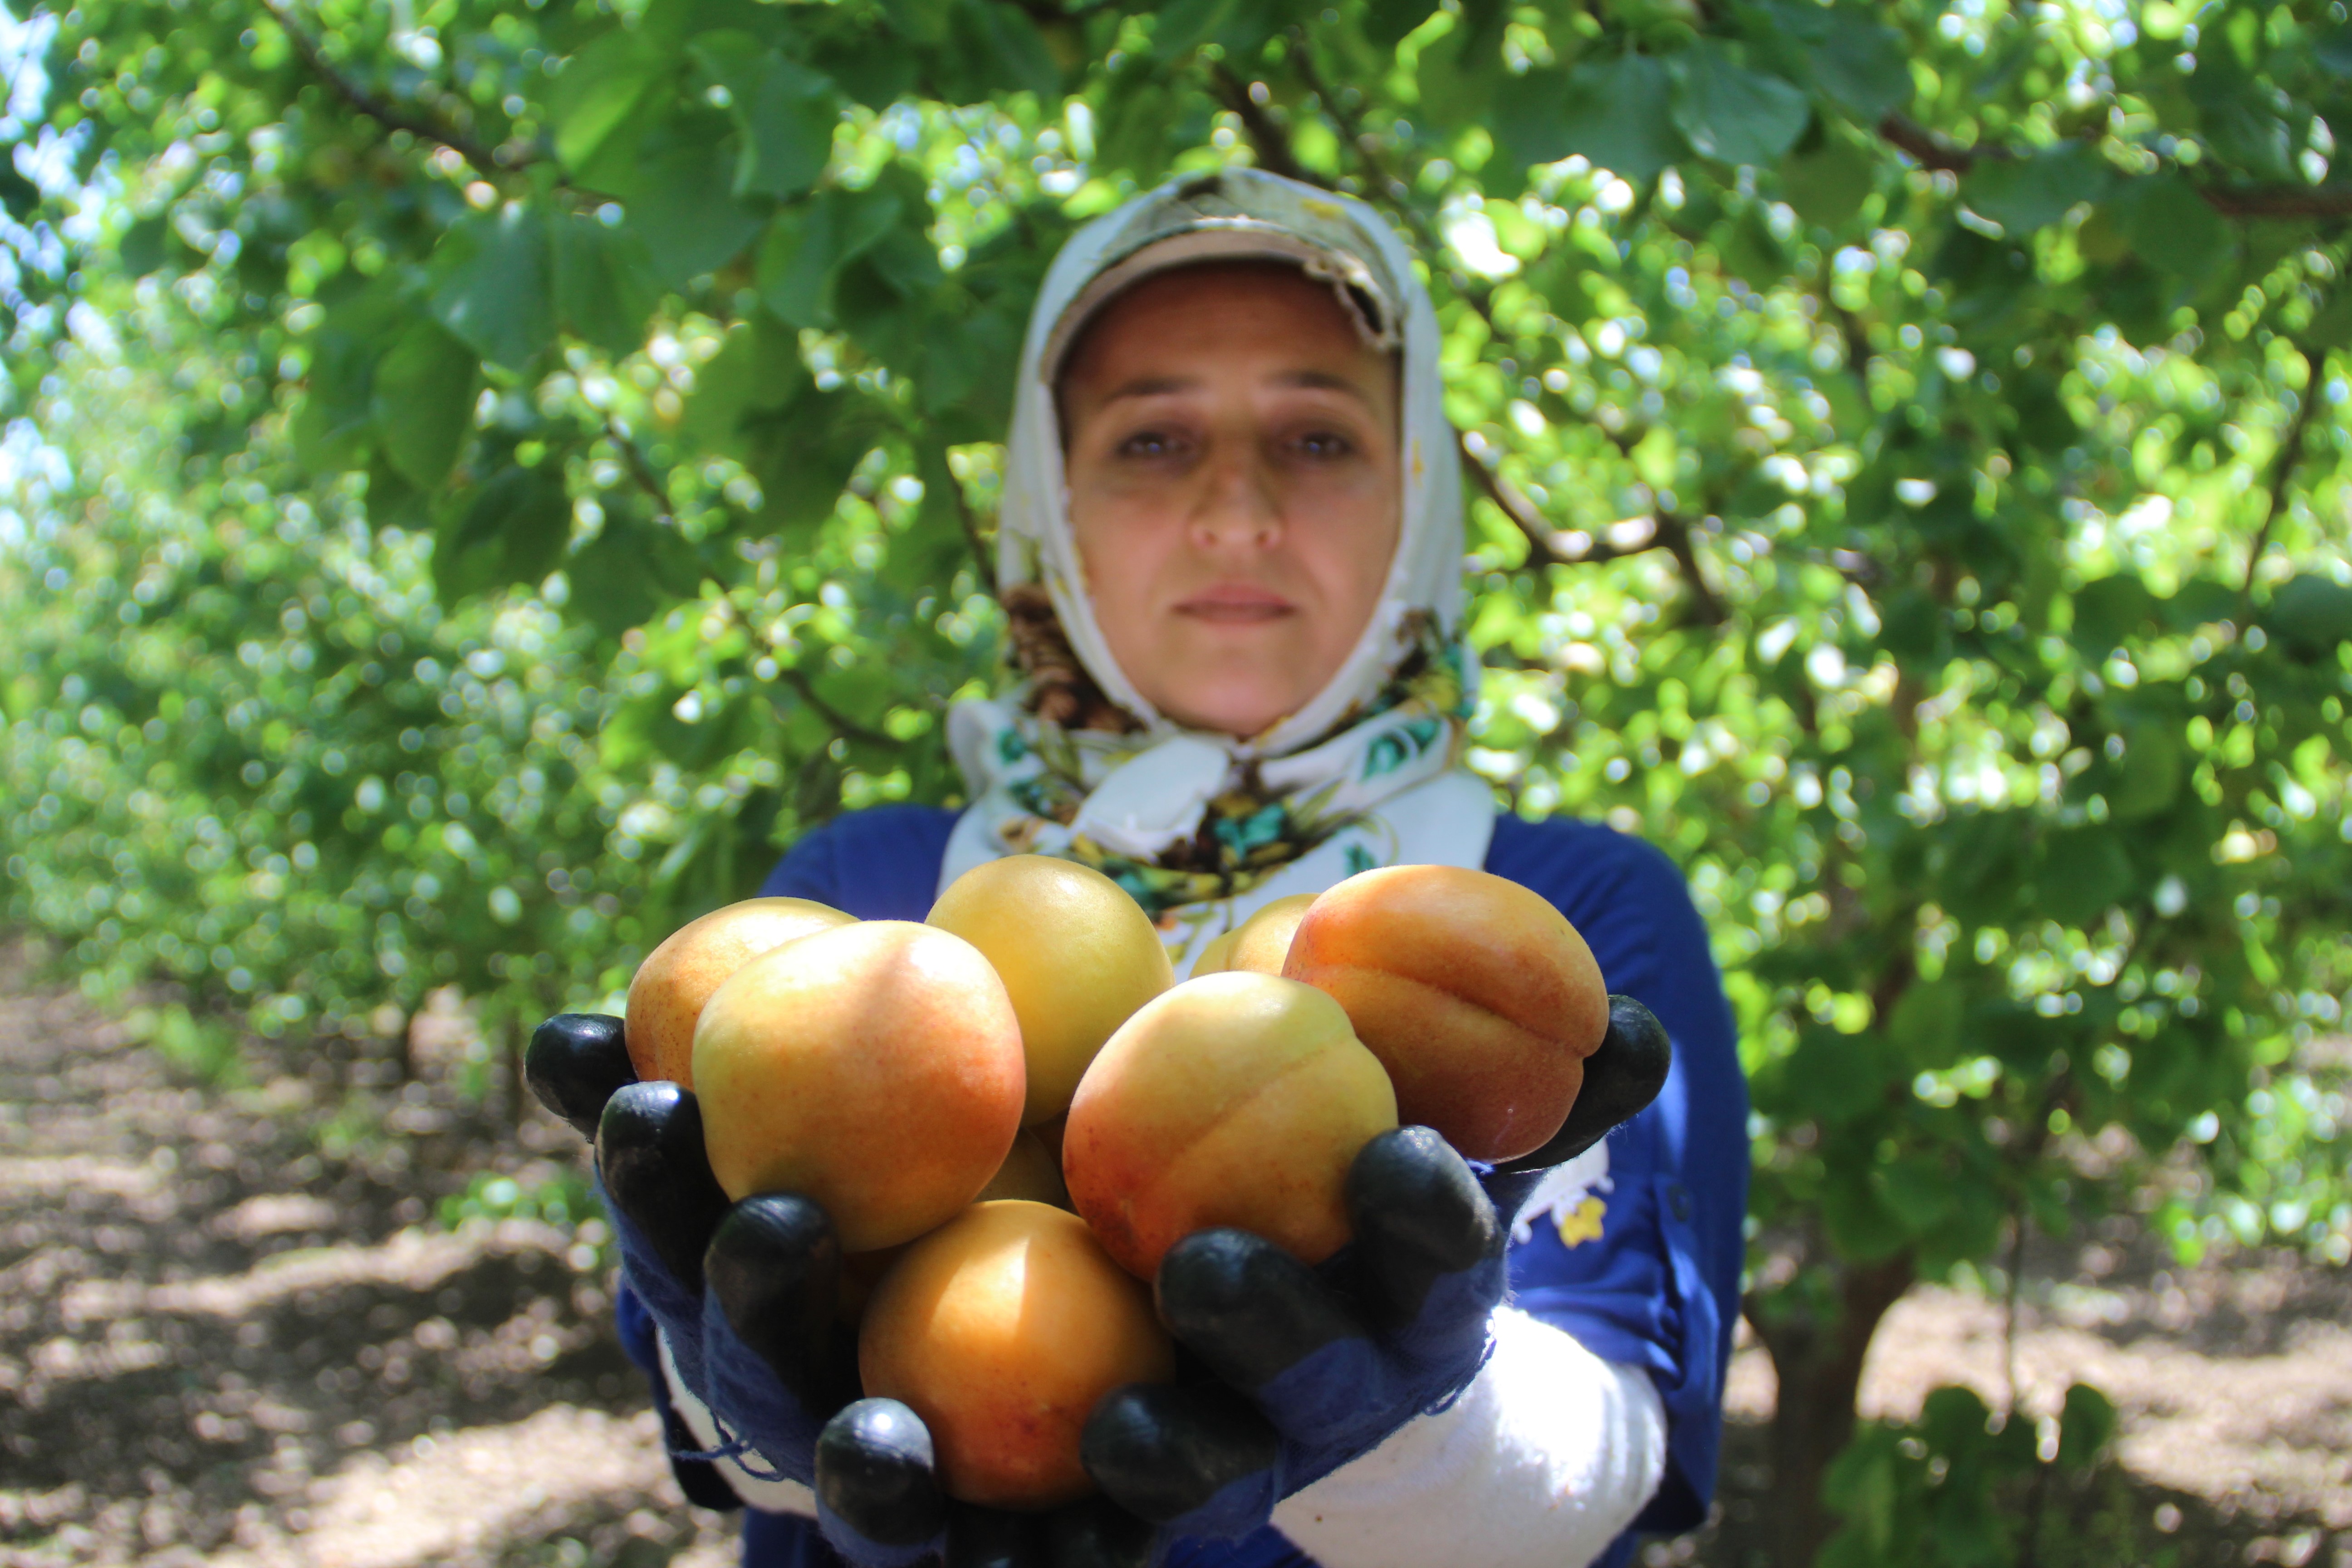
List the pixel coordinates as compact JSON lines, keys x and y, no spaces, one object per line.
{"x":1231,"y":550}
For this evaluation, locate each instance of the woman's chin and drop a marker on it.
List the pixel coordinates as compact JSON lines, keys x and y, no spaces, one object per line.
{"x":1241,"y":712}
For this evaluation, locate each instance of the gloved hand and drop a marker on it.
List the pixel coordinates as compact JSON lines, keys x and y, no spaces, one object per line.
{"x":1298,"y":1370}
{"x":744,"y":1293}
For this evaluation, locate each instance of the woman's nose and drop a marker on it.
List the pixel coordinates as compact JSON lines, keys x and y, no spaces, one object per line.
{"x":1238,"y":506}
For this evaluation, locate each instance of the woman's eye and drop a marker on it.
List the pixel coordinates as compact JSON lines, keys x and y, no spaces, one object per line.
{"x":1324,"y":444}
{"x":1148,"y":444}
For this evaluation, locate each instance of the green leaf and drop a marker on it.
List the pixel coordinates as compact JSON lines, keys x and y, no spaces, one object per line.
{"x":808,"y":245}
{"x":2172,"y":227}
{"x":690,"y":218}
{"x":874,"y":68}
{"x":1864,"y":1484}
{"x":1460,"y":73}
{"x":2333,"y":51}
{"x":1838,"y":1077}
{"x":734,"y":59}
{"x":2087,"y":1425}
{"x":596,"y":91}
{"x":512,"y":532}
{"x":2238,"y":117}
{"x":1859,"y":63}
{"x":604,"y":286}
{"x":1917,"y":1190}
{"x":1732,"y":114}
{"x":965,"y":364}
{"x":1529,"y":122}
{"x":2108,"y":610}
{"x":1926,"y":1022}
{"x":1140,"y":115}
{"x":2148,"y":777}
{"x":496,"y":291}
{"x":332,"y":428}
{"x":621,"y":577}
{"x":756,"y":370}
{"x":802,"y":455}
{"x":1854,"y":1213}
{"x":2200,"y":602}
{"x":788,"y":133}
{"x":145,"y":244}
{"x":2311,"y":615}
{"x":919,"y":21}
{"x":1616,"y":115}
{"x":20,"y":198}
{"x":1829,"y":185}
{"x":1001,"y":51}
{"x":2331,"y":325}
{"x":424,"y":402}
{"x":1386,"y":22}
{"x":2022,"y":194}
{"x":393,"y":501}
{"x":1953,"y":1419}
{"x":1183,"y":25}
{"x":2083,"y":871}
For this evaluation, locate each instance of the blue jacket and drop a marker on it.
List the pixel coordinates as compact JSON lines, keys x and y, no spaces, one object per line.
{"x":1658,"y":1288}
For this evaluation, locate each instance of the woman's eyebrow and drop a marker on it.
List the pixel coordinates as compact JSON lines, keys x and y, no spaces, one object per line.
{"x":1323,"y":381}
{"x":1306,"y":380}
{"x":1151,"y":386}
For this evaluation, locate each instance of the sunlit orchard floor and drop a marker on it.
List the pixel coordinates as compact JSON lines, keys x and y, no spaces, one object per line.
{"x":227,"y":1339}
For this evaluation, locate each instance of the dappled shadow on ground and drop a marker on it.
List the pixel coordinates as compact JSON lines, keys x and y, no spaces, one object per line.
{"x":231,"y":1334}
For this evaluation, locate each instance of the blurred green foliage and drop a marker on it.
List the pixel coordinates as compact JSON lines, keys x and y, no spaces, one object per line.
{"x":1963,"y":1488}
{"x":556,"y":446}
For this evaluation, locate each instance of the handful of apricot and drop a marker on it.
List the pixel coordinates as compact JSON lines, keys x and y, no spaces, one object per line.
{"x":913,"y":1080}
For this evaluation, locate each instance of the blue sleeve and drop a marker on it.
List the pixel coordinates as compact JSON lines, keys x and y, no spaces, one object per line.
{"x":880,"y":864}
{"x":1658,"y":1286}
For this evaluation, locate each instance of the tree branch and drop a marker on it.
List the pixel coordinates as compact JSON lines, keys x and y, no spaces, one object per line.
{"x":1932,"y":151}
{"x":1675,"y":533}
{"x":983,"y":560}
{"x":389,"y":115}
{"x":842,"y":724}
{"x":2278,"y":201}
{"x":1266,"y":138}
{"x":2290,"y":453}
{"x":1547,"y":545}
{"x":641,"y":472}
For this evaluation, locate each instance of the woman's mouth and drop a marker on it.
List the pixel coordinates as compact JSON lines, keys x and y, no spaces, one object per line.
{"x":1236,"y":603}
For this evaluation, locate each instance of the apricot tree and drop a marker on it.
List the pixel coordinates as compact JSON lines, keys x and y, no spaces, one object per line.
{"x":1907,"y":442}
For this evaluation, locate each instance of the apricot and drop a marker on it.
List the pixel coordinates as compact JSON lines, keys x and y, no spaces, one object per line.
{"x":1032,"y":1170}
{"x":1262,"y":942}
{"x":1002,"y":1330}
{"x":671,"y":988}
{"x":1077,"y":953}
{"x":1213,"y":957}
{"x":1236,"y":1098}
{"x":1478,"y":997}
{"x":875,"y":1067}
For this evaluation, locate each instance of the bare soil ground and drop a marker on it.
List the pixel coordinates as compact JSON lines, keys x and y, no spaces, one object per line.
{"x":227,"y":1336}
{"x":221,"y":1342}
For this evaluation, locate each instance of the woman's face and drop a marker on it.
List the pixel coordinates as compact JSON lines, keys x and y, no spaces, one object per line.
{"x":1233,"y":478}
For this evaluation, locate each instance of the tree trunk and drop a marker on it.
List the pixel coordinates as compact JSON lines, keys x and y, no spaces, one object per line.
{"x":1817,"y":1356}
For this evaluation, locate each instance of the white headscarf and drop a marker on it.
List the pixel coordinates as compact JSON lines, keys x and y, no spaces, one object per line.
{"x":1369,"y":772}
